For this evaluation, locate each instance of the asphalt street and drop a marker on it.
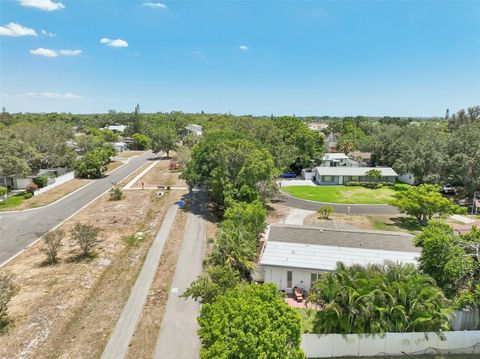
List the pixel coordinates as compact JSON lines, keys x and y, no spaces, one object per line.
{"x":178,"y":334}
{"x":20,"y":229}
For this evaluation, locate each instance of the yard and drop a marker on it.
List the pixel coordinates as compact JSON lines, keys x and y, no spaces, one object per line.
{"x":345,"y":194}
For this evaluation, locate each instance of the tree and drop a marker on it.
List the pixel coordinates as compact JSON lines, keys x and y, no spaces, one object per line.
{"x":217,"y":281}
{"x":3,"y":191}
{"x":250,"y":216}
{"x":451,"y":259}
{"x":235,"y":247}
{"x":93,"y":164}
{"x":376,"y":175}
{"x":8,"y":289}
{"x":378,"y":299}
{"x":423,"y":202}
{"x":86,"y":236}
{"x":182,"y":154}
{"x":164,"y":139}
{"x":16,"y":157}
{"x":141,"y":142}
{"x":52,"y":242}
{"x":250,"y":321}
{"x":347,"y":146}
{"x":325,"y":211}
{"x":109,"y":135}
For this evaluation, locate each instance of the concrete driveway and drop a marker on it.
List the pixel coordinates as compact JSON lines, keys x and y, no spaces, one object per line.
{"x":362,"y":209}
{"x":20,"y":229}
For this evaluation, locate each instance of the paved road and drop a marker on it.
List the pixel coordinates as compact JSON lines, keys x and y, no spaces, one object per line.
{"x":117,"y":346}
{"x":363,"y":209}
{"x":178,"y":334}
{"x":18,"y":230}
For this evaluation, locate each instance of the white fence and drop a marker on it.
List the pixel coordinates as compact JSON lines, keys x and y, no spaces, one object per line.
{"x":354,"y":345}
{"x":58,"y":181}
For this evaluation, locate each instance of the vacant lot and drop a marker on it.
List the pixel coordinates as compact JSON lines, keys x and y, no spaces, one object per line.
{"x":160,"y":175}
{"x":68,"y":310}
{"x":17,"y":202}
{"x":345,"y":194}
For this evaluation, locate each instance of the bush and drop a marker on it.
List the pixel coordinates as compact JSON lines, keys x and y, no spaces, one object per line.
{"x":325,"y":211}
{"x":32,"y":187}
{"x":3,"y":191}
{"x":116,"y":194}
{"x":369,"y":184}
{"x":41,"y":181}
{"x":86,"y":236}
{"x":8,"y":289}
{"x":28,"y":195}
{"x":52,"y":242}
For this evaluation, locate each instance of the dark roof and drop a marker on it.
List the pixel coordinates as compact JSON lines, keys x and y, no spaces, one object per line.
{"x":391,"y":241}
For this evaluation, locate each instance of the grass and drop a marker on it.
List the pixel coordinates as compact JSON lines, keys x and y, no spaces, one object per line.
{"x":345,"y":194}
{"x":381,"y":223}
{"x":13,"y":201}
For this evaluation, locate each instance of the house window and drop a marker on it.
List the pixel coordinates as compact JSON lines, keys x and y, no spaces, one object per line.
{"x":289,"y":279}
{"x":354,"y":178}
{"x":327,"y":179}
{"x":313,"y":278}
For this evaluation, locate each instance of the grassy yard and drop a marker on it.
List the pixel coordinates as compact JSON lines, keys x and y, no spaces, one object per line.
{"x":12,"y":202}
{"x":345,"y":194}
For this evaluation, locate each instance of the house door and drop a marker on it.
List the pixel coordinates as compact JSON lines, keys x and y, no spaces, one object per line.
{"x":289,"y":279}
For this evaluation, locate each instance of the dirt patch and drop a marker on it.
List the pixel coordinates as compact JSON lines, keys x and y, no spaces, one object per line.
{"x":276,"y":213}
{"x":160,"y":175}
{"x":52,"y":195}
{"x":145,"y":337}
{"x":113,"y":165}
{"x":69,"y":310}
{"x":127,"y":154}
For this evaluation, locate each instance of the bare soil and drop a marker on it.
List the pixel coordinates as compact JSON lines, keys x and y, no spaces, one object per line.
{"x":68,"y":310}
{"x":160,"y":175}
{"x":114,"y":165}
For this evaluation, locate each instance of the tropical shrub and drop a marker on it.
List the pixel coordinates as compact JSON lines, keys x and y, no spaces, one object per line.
{"x":41,"y":181}
{"x":325,"y":211}
{"x":3,"y":191}
{"x":250,"y":321}
{"x":28,"y":195}
{"x":378,"y":299}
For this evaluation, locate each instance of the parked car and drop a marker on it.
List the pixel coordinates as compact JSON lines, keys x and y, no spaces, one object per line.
{"x":448,"y":189}
{"x":289,"y":175}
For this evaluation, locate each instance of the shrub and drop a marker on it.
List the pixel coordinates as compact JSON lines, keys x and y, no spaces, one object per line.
{"x":86,"y":236}
{"x":325,"y":211}
{"x":28,"y":195}
{"x":52,"y":242}
{"x":369,"y":184}
{"x":8,"y":289}
{"x":41,"y":181}
{"x":32,"y":187}
{"x":3,"y":191}
{"x":116,"y":193}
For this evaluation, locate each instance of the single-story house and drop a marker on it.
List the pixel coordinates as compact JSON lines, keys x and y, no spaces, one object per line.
{"x":195,"y":129}
{"x":317,"y":126}
{"x":294,"y":256}
{"x":337,"y":159}
{"x":22,"y":182}
{"x":343,"y":174}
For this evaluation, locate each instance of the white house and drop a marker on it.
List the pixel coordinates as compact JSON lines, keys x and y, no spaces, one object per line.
{"x":195,"y":129}
{"x":115,"y":128}
{"x":343,"y":174}
{"x":337,"y":159}
{"x":294,"y":256}
{"x":317,"y":126}
{"x":119,"y":146}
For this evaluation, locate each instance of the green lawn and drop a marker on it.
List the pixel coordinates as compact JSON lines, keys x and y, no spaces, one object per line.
{"x":345,"y":194}
{"x":12,"y":201}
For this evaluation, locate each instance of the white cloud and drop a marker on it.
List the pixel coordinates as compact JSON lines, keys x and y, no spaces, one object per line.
{"x":44,"y":52}
{"x":114,"y":43}
{"x":155,"y":5}
{"x":199,"y":54}
{"x":54,"y":95}
{"x":54,"y":53}
{"x":243,"y":47}
{"x":70,"y":52}
{"x":47,"y":5}
{"x":13,"y":29}
{"x":46,"y":33}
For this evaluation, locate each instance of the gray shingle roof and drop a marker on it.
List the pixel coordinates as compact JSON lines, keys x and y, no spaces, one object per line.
{"x":391,"y":241}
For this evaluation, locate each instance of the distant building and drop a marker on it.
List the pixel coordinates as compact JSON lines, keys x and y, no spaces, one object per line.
{"x":337,"y":159}
{"x":119,"y":146}
{"x":317,"y":126}
{"x":115,"y":128}
{"x":195,"y":129}
{"x":294,"y":256}
{"x":331,"y":143}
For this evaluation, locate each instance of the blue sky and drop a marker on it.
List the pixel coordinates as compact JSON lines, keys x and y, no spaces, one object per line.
{"x":249,"y":57}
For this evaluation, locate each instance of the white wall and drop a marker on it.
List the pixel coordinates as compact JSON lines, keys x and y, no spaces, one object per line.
{"x":58,"y":181}
{"x":406,"y":178}
{"x":337,"y":345}
{"x":300,"y":278}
